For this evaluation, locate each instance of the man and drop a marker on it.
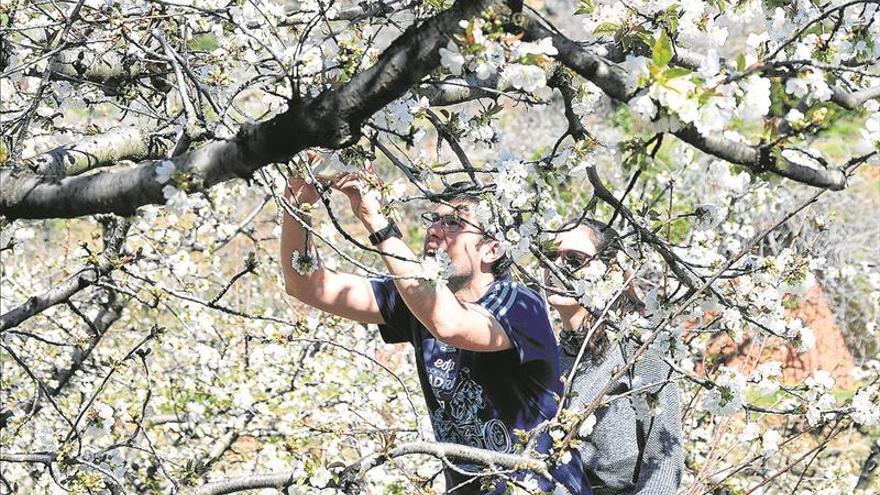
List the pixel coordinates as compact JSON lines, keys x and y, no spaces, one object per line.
{"x":486,"y":355}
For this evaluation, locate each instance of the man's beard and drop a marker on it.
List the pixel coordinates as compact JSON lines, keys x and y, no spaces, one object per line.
{"x":458,"y":281}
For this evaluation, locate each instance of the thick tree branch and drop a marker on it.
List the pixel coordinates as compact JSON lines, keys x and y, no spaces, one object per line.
{"x":333,"y":119}
{"x":613,"y":81}
{"x":445,"y":451}
{"x":108,"y":68}
{"x":125,"y":143}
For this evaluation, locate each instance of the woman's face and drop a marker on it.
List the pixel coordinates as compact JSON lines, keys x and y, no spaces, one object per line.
{"x":574,"y":250}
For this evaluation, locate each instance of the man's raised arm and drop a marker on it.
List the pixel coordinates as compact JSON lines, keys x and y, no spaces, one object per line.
{"x":464,"y":325}
{"x":342,"y":294}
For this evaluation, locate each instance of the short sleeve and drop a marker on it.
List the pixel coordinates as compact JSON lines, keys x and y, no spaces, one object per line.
{"x":523,"y":317}
{"x":396,"y":328}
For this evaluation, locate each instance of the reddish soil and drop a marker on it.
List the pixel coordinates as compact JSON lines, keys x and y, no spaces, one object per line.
{"x":830,"y":352}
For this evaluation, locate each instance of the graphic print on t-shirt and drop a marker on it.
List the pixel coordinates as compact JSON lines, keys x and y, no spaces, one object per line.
{"x":441,"y":366}
{"x":457,"y":419}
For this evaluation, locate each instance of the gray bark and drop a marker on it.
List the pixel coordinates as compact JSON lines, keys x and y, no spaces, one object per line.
{"x":612,"y":80}
{"x":439,"y":450}
{"x":333,"y":119}
{"x":125,"y":143}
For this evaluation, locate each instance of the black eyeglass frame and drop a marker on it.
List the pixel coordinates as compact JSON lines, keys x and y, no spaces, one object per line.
{"x":570,"y":265}
{"x":429,"y":218}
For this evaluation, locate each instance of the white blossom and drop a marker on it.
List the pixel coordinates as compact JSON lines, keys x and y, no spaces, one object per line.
{"x":586,"y":427}
{"x":755,"y":102}
{"x":643,"y":106}
{"x":320,"y":477}
{"x":164,"y":171}
{"x":770,"y":442}
{"x":525,"y":77}
{"x":865,"y":410}
{"x":437,"y":268}
{"x":728,"y":394}
{"x":303,"y":263}
{"x":451,"y":58}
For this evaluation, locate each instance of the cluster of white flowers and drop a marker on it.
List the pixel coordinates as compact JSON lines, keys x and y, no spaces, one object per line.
{"x":699,"y":27}
{"x":511,"y":187}
{"x":100,"y":420}
{"x":770,"y":442}
{"x":597,"y":285}
{"x":732,"y":322}
{"x":764,"y":376}
{"x":801,"y":335}
{"x":586,"y":427}
{"x":176,"y":200}
{"x":516,"y":242}
{"x":870,"y":133}
{"x":819,"y":399}
{"x":811,"y":86}
{"x":437,"y":268}
{"x":755,"y":99}
{"x":518,"y":63}
{"x":866,"y":406}
{"x":480,"y":127}
{"x":304,"y":264}
{"x":728,"y":394}
{"x":724,"y":182}
{"x":398,"y":115}
{"x":669,"y":344}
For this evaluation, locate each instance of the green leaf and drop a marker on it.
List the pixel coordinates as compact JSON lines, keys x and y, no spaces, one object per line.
{"x":674,"y":72}
{"x":645,"y":38}
{"x":741,"y":62}
{"x":606,"y":28}
{"x":662,"y":53}
{"x":585,"y":7}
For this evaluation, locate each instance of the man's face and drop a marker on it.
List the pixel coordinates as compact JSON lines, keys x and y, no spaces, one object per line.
{"x":453,"y":229}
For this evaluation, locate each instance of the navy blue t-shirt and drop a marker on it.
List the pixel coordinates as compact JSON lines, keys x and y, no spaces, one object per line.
{"x":479,"y":398}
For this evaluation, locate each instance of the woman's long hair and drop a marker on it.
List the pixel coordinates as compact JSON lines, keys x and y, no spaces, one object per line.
{"x":608,"y":243}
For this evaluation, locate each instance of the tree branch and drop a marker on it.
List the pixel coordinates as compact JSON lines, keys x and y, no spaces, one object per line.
{"x":612,"y":80}
{"x":333,"y":119}
{"x":445,"y":451}
{"x":63,"y":291}
{"x":125,"y":143}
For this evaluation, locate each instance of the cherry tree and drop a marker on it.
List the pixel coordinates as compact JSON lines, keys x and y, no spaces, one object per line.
{"x":148,"y":345}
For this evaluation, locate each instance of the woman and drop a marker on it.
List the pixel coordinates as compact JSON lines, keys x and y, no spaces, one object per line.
{"x":627,"y":452}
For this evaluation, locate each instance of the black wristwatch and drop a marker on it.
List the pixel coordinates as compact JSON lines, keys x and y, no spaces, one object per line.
{"x":385,"y":232}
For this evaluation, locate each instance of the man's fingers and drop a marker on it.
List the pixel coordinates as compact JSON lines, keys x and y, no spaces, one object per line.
{"x":343,"y":182}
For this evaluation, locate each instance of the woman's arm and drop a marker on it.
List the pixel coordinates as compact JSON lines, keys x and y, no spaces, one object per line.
{"x":662,"y":453}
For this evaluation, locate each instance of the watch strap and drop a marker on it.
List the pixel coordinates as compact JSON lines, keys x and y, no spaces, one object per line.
{"x":385,"y":232}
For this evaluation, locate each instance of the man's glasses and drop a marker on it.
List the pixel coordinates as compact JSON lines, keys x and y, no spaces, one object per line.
{"x":448,"y":223}
{"x":572,"y":260}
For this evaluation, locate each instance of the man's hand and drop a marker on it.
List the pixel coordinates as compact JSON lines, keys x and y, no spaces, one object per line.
{"x":362,"y":190}
{"x":300,"y":191}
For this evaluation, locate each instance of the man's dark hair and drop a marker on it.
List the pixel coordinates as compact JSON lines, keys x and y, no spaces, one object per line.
{"x":469,"y":192}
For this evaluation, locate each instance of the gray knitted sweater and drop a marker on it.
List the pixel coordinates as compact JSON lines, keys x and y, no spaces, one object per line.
{"x":611,"y":451}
